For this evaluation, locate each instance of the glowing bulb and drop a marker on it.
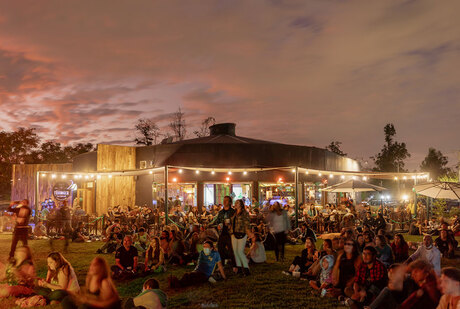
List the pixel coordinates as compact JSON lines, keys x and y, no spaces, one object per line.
{"x":404,"y":177}
{"x":53,"y":176}
{"x":86,"y":177}
{"x":212,"y":172}
{"x":64,"y":176}
{"x":293,"y":170}
{"x":92,"y":175}
{"x":43,"y":175}
{"x":413,"y":177}
{"x":343,"y":176}
{"x":174,"y":179}
{"x":331,"y":176}
{"x":98,"y":176}
{"x":75,"y":176}
{"x":228,"y":178}
{"x":319,"y":174}
{"x":110,"y":176}
{"x":180,"y":171}
{"x":150,"y":172}
{"x":364,"y":178}
{"x":245,"y":173}
{"x":229,"y":172}
{"x":353,"y":177}
{"x":306,"y":172}
{"x":396,"y":178}
{"x":197,"y":172}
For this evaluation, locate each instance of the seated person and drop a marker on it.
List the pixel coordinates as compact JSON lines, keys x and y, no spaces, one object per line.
{"x":151,"y":297}
{"x":370,"y":279}
{"x":315,"y":268}
{"x":100,"y":290}
{"x":345,"y":269}
{"x":427,"y":295}
{"x":176,"y":249}
{"x":207,"y":261}
{"x":77,"y":234}
{"x":112,"y":241}
{"x":164,"y":243}
{"x":450,"y":286}
{"x":384,"y":253}
{"x":125,"y":259}
{"x":400,"y":248}
{"x":429,"y":253}
{"x":325,"y":278}
{"x":141,"y":240}
{"x":18,"y":278}
{"x":445,"y":245}
{"x":40,"y":230}
{"x":303,"y":262}
{"x":154,"y":257}
{"x":256,"y":252}
{"x":60,"y":279}
{"x":450,"y":234}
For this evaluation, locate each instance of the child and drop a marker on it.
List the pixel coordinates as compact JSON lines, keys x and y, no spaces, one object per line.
{"x":325,"y":277}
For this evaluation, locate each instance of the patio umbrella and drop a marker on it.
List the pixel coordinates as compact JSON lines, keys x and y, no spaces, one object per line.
{"x":439,"y":189}
{"x":352,"y":185}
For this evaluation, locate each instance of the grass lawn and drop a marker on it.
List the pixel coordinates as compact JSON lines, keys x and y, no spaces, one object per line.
{"x":265,"y":288}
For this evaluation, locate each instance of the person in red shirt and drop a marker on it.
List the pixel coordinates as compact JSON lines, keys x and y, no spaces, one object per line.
{"x":370,"y":279}
{"x":400,"y":249}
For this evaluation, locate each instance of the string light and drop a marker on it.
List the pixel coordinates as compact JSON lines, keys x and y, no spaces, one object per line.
{"x":92,"y":175}
{"x":364,"y":178}
{"x":98,"y":176}
{"x":64,"y":176}
{"x":293,"y":170}
{"x":180,"y":171}
{"x":75,"y":176}
{"x":306,"y":172}
{"x":86,"y":177}
{"x":319,"y":174}
{"x":343,"y":176}
{"x":396,"y":178}
{"x":404,"y":177}
{"x":228,"y":178}
{"x":197,"y":172}
{"x":331,"y":176}
{"x":150,"y":172}
{"x":43,"y":175}
{"x":53,"y":176}
{"x":174,"y":179}
{"x":229,"y":172}
{"x":245,"y":173}
{"x":212,"y":172}
{"x":110,"y":176}
{"x":353,"y":177}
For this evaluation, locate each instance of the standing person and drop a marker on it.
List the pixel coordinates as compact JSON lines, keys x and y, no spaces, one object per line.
{"x":450,"y":286}
{"x":100,"y":289}
{"x":224,"y":244}
{"x":280,"y":225}
{"x":240,"y":229}
{"x":21,"y":229}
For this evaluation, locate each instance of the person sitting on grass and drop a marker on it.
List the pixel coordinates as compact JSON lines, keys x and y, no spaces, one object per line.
{"x":154,"y":257}
{"x":384,"y":253}
{"x":141,"y":240}
{"x":207,"y":261}
{"x":315,"y":268}
{"x":77,"y":234}
{"x":100,"y":289}
{"x":308,"y":256}
{"x":370,"y":279}
{"x":400,"y":248}
{"x":111,"y":241}
{"x":40,"y":230}
{"x":398,"y":289}
{"x":325,"y":278}
{"x":151,"y":297}
{"x":176,"y":248}
{"x":60,"y":279}
{"x":345,"y":269}
{"x":125,"y":260}
{"x":445,"y":245}
{"x":428,"y":294}
{"x":19,"y":275}
{"x":429,"y":253}
{"x":256,"y":252}
{"x":450,"y":286}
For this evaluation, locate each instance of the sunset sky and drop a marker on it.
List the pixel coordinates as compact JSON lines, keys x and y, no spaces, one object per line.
{"x":297,"y":72}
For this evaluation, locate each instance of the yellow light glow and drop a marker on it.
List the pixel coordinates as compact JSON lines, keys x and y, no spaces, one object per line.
{"x":197,"y":172}
{"x":150,"y":172}
{"x":64,"y":176}
{"x":364,"y":178}
{"x":110,"y":176}
{"x":331,"y":176}
{"x":98,"y":176}
{"x":306,"y":172}
{"x":404,"y":177}
{"x":343,"y":176}
{"x":229,"y":172}
{"x":43,"y":175}
{"x":53,"y":176}
{"x":180,"y":171}
{"x":319,"y":174}
{"x":293,"y":170}
{"x":174,"y":179}
{"x":228,"y":178}
{"x":212,"y":172}
{"x":245,"y":173}
{"x":86,"y":177}
{"x":396,"y":178}
{"x":353,"y":177}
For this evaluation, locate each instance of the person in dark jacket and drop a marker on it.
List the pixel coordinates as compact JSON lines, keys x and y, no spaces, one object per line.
{"x":223,"y":219}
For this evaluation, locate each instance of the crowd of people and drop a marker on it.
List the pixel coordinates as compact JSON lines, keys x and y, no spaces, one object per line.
{"x":361,"y":261}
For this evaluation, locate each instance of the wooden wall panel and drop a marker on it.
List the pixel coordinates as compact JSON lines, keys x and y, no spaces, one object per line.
{"x":118,"y":190}
{"x":23,"y":185}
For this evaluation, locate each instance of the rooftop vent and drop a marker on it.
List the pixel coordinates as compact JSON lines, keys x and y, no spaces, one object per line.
{"x":223,"y":129}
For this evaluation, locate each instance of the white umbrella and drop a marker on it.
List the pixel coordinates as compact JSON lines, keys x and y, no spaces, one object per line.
{"x":352,"y":185}
{"x":439,"y":189}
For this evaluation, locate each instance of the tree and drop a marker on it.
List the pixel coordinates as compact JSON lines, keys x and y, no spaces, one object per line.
{"x":149,"y":132}
{"x":335,"y":147}
{"x":435,"y":163}
{"x":178,"y":125}
{"x":204,"y":129}
{"x":16,"y":147}
{"x":391,"y":157}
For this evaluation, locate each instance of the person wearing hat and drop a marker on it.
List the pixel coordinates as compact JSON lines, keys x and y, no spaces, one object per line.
{"x":206,"y":264}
